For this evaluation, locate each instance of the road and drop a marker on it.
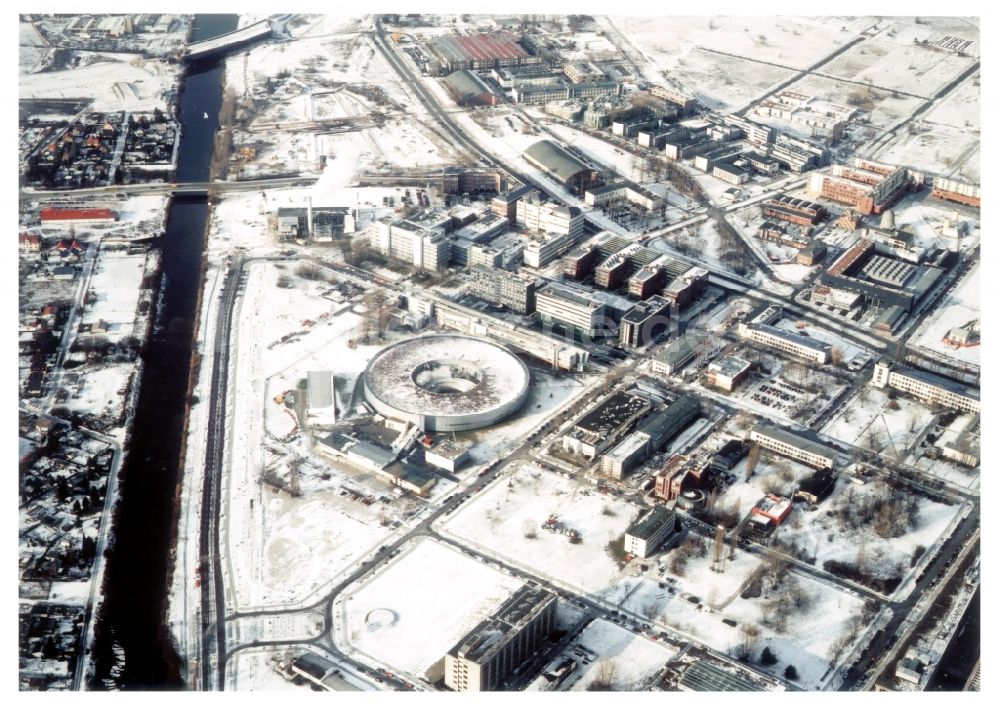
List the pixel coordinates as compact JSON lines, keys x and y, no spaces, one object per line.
{"x":77,"y":194}
{"x":213,"y":605}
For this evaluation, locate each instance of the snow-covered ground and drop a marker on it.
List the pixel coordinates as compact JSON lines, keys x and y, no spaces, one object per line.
{"x":282,"y":548}
{"x":959,"y":307}
{"x":796,"y":42}
{"x":907,"y":68}
{"x":636,"y":660}
{"x":825,"y":537}
{"x":937,"y":149}
{"x":869,"y":414}
{"x":960,"y":108}
{"x":498,"y":519}
{"x":413,"y":610}
{"x":102,"y":389}
{"x":115,"y":283}
{"x":135,"y":85}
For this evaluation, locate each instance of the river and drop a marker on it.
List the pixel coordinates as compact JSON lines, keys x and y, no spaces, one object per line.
{"x":138,"y":567}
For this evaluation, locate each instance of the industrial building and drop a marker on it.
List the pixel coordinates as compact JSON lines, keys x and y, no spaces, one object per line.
{"x":774,"y":509}
{"x":794,"y":445}
{"x":650,"y":436}
{"x":525,"y":75}
{"x":646,"y":534}
{"x":603,"y":425}
{"x":467,"y":88}
{"x":559,"y":304}
{"x":794,"y":210}
{"x":727,"y":373}
{"x":321,"y":224}
{"x":557,"y":163}
{"x":479,"y":51}
{"x":927,"y":387}
{"x":701,"y":676}
{"x":446,"y":382}
{"x":76,"y":216}
{"x":880,"y":279}
{"x":500,"y":643}
{"x":644,"y":322}
{"x":512,"y":290}
{"x":867,"y":186}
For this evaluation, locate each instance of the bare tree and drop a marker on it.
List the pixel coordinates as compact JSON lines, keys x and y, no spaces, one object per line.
{"x":604,"y":676}
{"x":528,"y":529}
{"x":749,"y":636}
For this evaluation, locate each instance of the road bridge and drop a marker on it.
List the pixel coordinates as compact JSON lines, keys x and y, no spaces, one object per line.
{"x":230,"y":40}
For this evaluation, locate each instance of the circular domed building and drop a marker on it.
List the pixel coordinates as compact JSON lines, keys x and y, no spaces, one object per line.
{"x":446,"y":382}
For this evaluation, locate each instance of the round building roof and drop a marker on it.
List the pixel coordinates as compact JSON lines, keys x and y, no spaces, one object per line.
{"x":446,"y":376}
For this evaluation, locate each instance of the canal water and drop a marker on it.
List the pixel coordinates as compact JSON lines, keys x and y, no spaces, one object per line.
{"x":133,"y":619}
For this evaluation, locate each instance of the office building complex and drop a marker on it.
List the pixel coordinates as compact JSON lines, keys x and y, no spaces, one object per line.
{"x":559,"y":304}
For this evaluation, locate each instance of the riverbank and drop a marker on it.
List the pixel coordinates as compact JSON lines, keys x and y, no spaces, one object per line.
{"x":132,"y":625}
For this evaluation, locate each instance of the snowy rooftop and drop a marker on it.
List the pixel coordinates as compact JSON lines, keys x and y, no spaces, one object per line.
{"x":418,"y":376}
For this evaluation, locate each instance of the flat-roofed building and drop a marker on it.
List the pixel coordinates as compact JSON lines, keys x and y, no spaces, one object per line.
{"x":794,"y":445}
{"x":512,"y":290}
{"x":701,"y":676}
{"x":686,"y":287}
{"x":647,"y":533}
{"x":583,"y":72}
{"x":603,"y":425}
{"x":321,"y":402}
{"x":676,"y":354}
{"x":794,"y":210}
{"x":496,"y":646}
{"x":774,"y":508}
{"x":927,"y":387}
{"x":422,"y":247}
{"x":447,"y":455}
{"x":727,"y":373}
{"x":558,"y":304}
{"x":789,"y":342}
{"x":644,"y":322}
{"x":579,"y":263}
{"x":505,"y":204}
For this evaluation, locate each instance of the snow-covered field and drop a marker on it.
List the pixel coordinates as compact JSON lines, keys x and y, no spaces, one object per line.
{"x":825,"y":537}
{"x":497,"y":520}
{"x":891,"y":65}
{"x":101,"y":389}
{"x":636,"y":660}
{"x":959,"y":307}
{"x":136,"y":85}
{"x":796,"y":42}
{"x":115,"y":282}
{"x":412,"y":611}
{"x":937,"y":149}
{"x":888,"y":108}
{"x":868,"y":414}
{"x":960,"y":109}
{"x":283,"y":548}
{"x":725,"y":82}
